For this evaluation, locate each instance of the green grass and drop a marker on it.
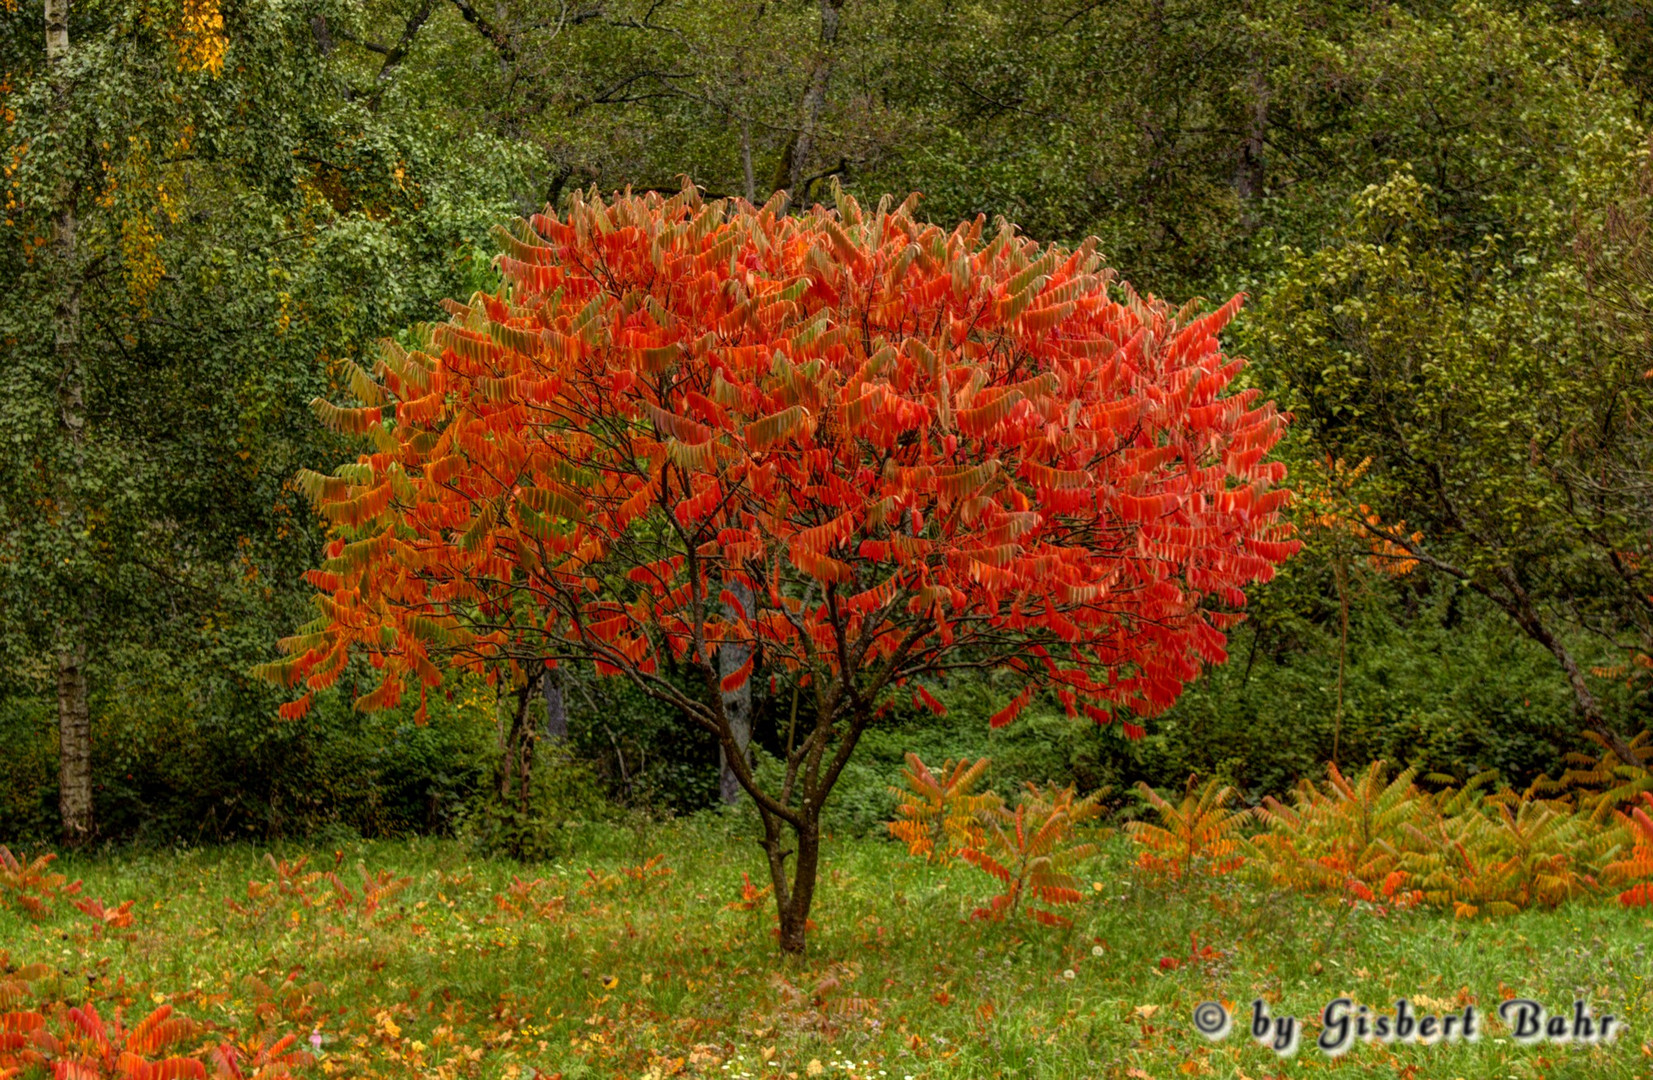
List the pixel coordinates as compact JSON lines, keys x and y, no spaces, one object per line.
{"x":443,"y":982}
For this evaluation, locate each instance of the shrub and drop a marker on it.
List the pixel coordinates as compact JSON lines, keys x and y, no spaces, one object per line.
{"x":1637,"y":866}
{"x":1199,"y":835}
{"x":30,"y":884}
{"x":1344,"y":838}
{"x":942,"y":814}
{"x":1031,"y":851}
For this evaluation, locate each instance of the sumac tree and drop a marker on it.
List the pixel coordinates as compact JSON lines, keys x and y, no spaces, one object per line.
{"x":916,"y":451}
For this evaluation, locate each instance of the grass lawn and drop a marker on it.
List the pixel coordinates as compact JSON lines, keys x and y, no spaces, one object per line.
{"x":609,"y":974}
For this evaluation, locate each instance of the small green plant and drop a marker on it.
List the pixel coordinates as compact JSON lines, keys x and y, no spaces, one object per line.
{"x":563,"y":789}
{"x":1501,"y":853}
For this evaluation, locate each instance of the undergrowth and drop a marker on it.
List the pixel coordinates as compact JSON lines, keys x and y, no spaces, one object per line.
{"x":417,"y":958}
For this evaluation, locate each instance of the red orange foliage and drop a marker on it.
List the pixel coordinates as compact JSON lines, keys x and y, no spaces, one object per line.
{"x":30,"y":884}
{"x":76,"y":1043}
{"x":939,"y":813}
{"x":1200,"y":835}
{"x":871,"y":448}
{"x":750,"y":895}
{"x":118,"y":917}
{"x":911,"y":444}
{"x":1031,"y":852}
{"x":1639,"y":863}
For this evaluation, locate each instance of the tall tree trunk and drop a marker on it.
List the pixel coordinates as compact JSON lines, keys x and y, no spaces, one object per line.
{"x":1585,"y":698}
{"x":57,"y":31}
{"x":1341,"y":574}
{"x":556,"y":704}
{"x":737,"y":703}
{"x":1514,"y":600}
{"x":1249,"y":176}
{"x":746,"y":158}
{"x":795,"y":161}
{"x":74,"y":724}
{"x":74,"y":740}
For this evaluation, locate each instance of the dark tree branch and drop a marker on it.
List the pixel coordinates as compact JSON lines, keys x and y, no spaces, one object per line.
{"x":495,"y":36}
{"x":397,"y":53}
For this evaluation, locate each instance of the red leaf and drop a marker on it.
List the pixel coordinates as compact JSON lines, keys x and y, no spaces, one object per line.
{"x":737,"y":678}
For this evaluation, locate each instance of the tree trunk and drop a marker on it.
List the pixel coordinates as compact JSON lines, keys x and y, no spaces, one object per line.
{"x":737,"y":703}
{"x":74,"y":725}
{"x":74,"y":733}
{"x":556,"y":704}
{"x":1520,"y":607}
{"x":1249,"y":177}
{"x":795,"y":161}
{"x":1341,"y":568}
{"x":1583,"y":695}
{"x":1517,"y":603}
{"x":516,"y":760}
{"x":57,"y":30}
{"x":793,"y":897}
{"x":746,"y":158}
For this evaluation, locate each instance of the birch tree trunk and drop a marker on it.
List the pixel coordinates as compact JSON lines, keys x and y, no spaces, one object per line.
{"x":74,"y":723}
{"x":556,"y":704}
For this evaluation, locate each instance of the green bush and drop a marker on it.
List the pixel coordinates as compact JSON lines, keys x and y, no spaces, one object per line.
{"x":177,"y":758}
{"x":566,"y":793}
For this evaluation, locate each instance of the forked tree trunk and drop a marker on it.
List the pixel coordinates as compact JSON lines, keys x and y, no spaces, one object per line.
{"x":74,"y":724}
{"x":798,"y":841}
{"x":795,"y":894}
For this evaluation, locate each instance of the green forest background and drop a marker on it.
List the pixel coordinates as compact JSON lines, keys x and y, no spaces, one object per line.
{"x":1438,"y":211}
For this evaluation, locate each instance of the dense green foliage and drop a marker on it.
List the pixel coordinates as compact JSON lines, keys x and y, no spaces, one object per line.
{"x":1398,"y":187}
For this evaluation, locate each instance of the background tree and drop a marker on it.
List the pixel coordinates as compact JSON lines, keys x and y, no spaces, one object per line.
{"x":200,"y":227}
{"x":1482,"y":408}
